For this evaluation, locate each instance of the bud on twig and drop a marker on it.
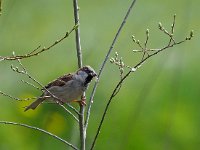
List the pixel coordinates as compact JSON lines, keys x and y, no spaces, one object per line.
{"x":191,"y":34}
{"x":160,"y":26}
{"x":112,"y":60}
{"x":133,"y":38}
{"x":137,"y":42}
{"x":133,"y":69}
{"x":147,"y":32}
{"x":116,"y":54}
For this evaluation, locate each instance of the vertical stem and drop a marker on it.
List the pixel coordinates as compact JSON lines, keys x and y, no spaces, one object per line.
{"x":79,"y":57}
{"x":81,"y":127}
{"x":77,"y":32}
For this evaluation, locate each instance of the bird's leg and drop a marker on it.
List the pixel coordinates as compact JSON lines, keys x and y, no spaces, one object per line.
{"x":82,"y":101}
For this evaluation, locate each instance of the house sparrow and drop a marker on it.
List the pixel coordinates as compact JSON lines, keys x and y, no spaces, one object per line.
{"x":66,"y":88}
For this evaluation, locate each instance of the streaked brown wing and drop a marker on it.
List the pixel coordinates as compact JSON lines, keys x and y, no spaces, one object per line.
{"x":60,"y":81}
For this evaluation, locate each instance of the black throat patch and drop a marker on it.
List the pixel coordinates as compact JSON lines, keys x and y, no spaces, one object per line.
{"x":88,"y":80}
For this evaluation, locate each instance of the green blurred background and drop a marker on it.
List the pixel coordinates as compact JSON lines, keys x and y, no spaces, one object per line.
{"x":157,"y":107}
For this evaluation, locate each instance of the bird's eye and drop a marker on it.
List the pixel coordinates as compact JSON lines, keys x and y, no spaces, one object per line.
{"x":86,"y":69}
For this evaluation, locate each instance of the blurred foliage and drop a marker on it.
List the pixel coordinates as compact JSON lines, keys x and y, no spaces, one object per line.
{"x":158,"y":106}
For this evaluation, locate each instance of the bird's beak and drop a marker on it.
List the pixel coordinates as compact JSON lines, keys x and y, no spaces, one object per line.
{"x":93,"y":74}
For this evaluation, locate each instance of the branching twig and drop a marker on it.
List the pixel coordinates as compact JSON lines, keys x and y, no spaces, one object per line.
{"x":41,"y":130}
{"x":104,"y":62}
{"x":25,"y":72}
{"x":172,"y":42}
{"x":138,"y":65}
{"x":37,"y":51}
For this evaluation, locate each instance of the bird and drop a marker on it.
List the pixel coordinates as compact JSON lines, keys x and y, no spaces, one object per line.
{"x":67,"y":88}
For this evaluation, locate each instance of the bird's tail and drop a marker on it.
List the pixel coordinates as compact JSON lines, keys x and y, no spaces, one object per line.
{"x":34,"y":104}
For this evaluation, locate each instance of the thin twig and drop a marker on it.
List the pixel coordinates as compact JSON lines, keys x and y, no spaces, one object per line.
{"x":74,"y":109}
{"x":104,"y":62}
{"x":41,"y":130}
{"x":80,"y":64}
{"x":68,"y":111}
{"x":147,"y":38}
{"x":145,"y":44}
{"x":68,"y":105}
{"x":35,"y":52}
{"x":15,"y":98}
{"x":28,"y":83}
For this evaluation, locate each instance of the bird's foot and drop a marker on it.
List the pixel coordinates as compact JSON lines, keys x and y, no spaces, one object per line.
{"x":81,"y":102}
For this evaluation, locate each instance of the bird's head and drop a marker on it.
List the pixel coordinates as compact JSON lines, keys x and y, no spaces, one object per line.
{"x":87,"y":73}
